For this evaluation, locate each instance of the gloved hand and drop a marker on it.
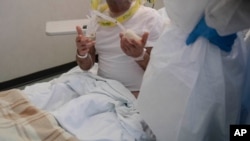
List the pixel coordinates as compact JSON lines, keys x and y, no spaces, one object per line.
{"x":201,"y":29}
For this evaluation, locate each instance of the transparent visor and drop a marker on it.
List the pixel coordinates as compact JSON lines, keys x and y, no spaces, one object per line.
{"x":98,"y":4}
{"x":101,"y":5}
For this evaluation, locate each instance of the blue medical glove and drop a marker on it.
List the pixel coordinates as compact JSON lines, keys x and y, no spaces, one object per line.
{"x":201,"y":29}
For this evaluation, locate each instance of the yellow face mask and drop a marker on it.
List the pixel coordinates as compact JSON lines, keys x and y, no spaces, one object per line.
{"x":101,"y":6}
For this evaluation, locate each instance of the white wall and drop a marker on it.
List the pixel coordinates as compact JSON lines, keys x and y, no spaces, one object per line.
{"x":25,"y":48}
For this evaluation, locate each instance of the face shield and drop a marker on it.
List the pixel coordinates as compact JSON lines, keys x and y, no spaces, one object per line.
{"x":99,"y":5}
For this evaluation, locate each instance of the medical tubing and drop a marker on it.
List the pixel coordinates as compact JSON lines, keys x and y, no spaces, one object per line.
{"x":127,"y":32}
{"x":109,"y":19}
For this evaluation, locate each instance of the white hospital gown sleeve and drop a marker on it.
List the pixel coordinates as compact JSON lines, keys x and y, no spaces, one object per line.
{"x":154,"y":24}
{"x":228,"y":16}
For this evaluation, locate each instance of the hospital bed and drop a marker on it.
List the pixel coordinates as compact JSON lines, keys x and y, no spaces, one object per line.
{"x":76,"y":105}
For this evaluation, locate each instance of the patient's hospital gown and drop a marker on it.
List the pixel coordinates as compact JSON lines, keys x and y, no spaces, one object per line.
{"x":191,"y":93}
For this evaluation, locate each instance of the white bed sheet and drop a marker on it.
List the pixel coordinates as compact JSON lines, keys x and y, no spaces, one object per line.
{"x":91,"y":107}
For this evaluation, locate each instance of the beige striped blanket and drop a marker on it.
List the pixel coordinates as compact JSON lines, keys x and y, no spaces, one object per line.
{"x":22,"y":121}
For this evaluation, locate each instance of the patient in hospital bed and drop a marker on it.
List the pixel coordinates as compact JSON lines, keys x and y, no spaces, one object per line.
{"x":89,"y":105}
{"x":121,"y":59}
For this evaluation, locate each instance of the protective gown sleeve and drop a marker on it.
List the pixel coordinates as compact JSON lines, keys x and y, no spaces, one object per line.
{"x":228,"y":16}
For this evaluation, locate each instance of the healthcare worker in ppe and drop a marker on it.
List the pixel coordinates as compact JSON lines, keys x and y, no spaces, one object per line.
{"x":224,"y":26}
{"x":192,"y":87}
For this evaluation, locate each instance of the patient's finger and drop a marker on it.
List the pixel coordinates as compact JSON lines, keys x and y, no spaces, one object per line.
{"x":89,"y":44}
{"x":78,"y":38}
{"x":79,"y":30}
{"x":121,"y":35}
{"x":144,"y":38}
{"x":124,"y":46}
{"x":142,"y":42}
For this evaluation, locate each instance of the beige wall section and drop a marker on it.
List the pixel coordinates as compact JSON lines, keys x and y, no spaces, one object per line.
{"x":25,"y":48}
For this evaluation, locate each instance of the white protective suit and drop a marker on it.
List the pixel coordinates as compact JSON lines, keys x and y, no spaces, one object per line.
{"x":245,"y":109}
{"x":228,"y":16}
{"x":191,"y":93}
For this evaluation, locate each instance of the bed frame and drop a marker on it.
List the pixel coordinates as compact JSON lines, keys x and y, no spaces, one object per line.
{"x":36,"y":76}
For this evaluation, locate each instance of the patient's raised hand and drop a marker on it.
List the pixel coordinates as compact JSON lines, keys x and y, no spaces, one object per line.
{"x":83,"y":43}
{"x":133,"y":47}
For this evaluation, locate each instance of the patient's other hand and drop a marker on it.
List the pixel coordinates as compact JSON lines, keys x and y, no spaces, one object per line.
{"x":132,"y":47}
{"x":83,"y":43}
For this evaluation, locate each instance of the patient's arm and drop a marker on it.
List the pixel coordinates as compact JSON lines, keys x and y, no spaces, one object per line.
{"x":85,"y":52}
{"x":135,"y":48}
{"x":145,"y":58}
{"x":88,"y":62}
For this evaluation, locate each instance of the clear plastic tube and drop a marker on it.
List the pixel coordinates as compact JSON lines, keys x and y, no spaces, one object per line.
{"x":129,"y":34}
{"x":109,"y":19}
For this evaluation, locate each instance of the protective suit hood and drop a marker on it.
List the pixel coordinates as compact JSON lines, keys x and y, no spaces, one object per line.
{"x":185,"y":13}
